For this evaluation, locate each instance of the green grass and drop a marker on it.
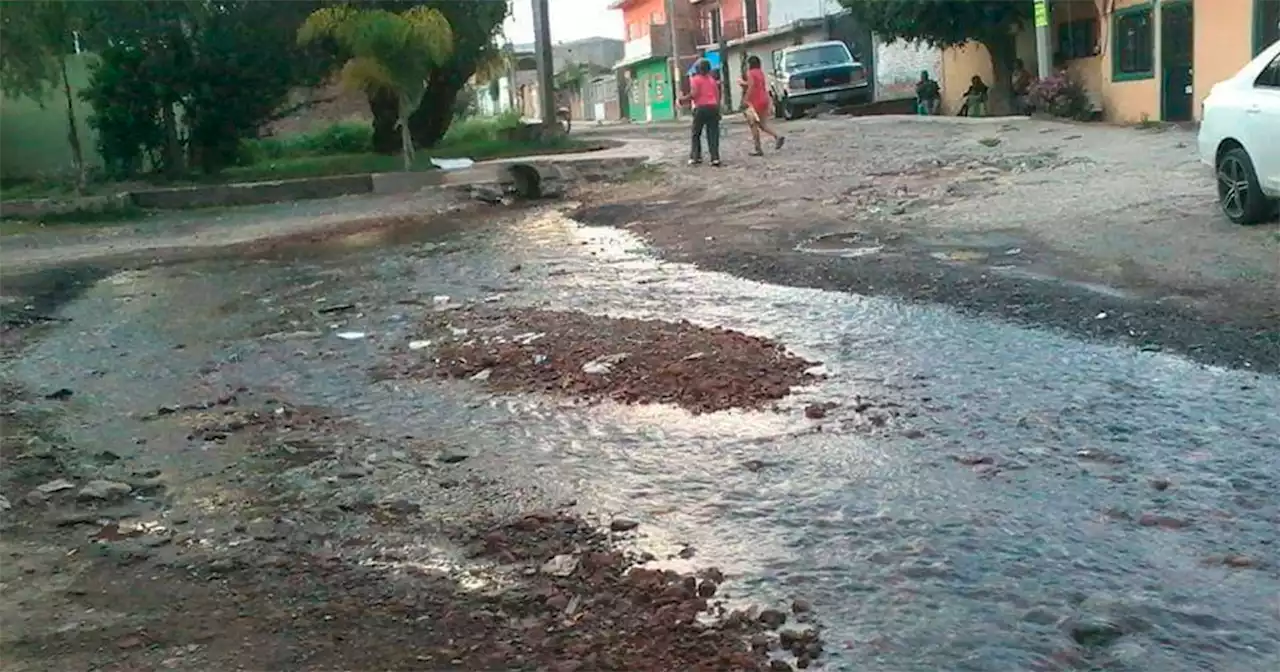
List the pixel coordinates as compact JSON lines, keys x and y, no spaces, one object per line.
{"x":340,"y":149}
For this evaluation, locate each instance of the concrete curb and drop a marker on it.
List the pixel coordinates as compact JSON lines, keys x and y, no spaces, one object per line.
{"x":581,"y":166}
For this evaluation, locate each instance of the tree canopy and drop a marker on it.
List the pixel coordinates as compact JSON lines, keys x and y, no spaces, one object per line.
{"x":942,"y":23}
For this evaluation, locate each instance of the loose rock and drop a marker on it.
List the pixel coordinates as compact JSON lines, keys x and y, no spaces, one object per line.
{"x":102,"y":490}
{"x":623,"y":525}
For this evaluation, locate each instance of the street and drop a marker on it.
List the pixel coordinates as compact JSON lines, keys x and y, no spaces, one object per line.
{"x":937,"y":394}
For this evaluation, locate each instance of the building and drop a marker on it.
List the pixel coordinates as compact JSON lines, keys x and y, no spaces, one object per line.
{"x":1139,"y":59}
{"x":763,"y":28}
{"x":598,"y":51}
{"x":647,"y":70}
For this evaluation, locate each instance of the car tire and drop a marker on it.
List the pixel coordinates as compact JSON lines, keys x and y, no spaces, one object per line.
{"x":777,"y":108}
{"x":1239,"y":193}
{"x":791,"y":112}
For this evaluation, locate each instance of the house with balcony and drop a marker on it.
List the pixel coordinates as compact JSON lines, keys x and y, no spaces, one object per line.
{"x":650,"y":61}
{"x":763,"y":28}
{"x":1138,"y":59}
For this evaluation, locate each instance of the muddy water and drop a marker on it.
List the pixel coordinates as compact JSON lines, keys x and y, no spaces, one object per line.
{"x":914,"y":560}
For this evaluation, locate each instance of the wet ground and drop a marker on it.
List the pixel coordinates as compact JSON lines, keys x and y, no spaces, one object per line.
{"x":1040,"y":502}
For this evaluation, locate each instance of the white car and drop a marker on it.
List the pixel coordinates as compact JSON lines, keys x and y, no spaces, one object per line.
{"x":1240,"y":138}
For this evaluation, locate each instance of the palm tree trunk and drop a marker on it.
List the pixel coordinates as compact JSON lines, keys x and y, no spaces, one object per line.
{"x":73,"y":134}
{"x":406,"y":142}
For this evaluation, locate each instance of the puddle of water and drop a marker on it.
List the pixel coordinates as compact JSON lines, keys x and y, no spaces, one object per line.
{"x":914,"y":562}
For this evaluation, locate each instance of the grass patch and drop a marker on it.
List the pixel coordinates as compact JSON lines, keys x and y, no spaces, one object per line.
{"x":343,"y":148}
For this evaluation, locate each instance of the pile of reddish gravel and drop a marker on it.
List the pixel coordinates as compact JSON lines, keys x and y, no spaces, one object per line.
{"x":589,"y":608}
{"x":635,"y":361}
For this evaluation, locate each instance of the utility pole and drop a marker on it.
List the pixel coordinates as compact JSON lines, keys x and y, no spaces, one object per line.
{"x":546,"y":65}
{"x":676,"y":73}
{"x":509,"y":53}
{"x":726,"y":82}
{"x":1043,"y":57}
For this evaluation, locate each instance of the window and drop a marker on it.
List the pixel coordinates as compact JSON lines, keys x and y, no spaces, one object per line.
{"x":1266,"y":24}
{"x":1078,"y":39}
{"x":1133,"y":44}
{"x":1270,"y":76}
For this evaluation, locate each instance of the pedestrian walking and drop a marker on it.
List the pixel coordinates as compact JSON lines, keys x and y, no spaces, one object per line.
{"x":704,"y":93}
{"x":757,"y":108}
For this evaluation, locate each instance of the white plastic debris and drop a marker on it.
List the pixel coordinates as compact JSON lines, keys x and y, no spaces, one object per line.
{"x":1100,"y":316}
{"x":418,"y":345}
{"x":527,"y":337}
{"x":483,"y":375}
{"x":351,"y":335}
{"x":452,"y":164}
{"x":604,"y":364}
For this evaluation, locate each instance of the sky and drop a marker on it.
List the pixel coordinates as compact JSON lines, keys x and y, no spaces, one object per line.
{"x":570,"y":20}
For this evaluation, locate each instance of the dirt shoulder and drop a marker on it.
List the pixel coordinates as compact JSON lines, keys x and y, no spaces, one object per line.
{"x":270,"y":548}
{"x":1104,"y":232}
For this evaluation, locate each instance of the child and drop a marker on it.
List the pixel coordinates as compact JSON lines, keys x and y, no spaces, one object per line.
{"x":704,"y":92}
{"x":756,"y":96}
{"x":975,"y":99}
{"x":928,"y":95}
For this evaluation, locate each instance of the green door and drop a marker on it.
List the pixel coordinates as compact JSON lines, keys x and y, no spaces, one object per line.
{"x":1176,"y":58}
{"x":657,"y":88}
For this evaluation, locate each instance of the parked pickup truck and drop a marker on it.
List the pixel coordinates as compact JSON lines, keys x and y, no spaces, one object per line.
{"x":818,"y":73}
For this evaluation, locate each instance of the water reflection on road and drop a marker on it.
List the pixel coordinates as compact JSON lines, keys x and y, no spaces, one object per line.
{"x":914,"y":559}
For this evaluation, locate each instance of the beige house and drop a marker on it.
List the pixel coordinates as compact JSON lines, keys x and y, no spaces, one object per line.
{"x":1139,"y":59}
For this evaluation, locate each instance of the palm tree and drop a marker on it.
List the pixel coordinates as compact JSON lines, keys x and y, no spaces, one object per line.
{"x":389,"y":50}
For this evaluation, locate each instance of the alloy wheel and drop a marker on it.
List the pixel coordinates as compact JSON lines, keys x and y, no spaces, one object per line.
{"x":1233,"y":187}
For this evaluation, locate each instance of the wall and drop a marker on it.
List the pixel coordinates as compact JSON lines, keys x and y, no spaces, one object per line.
{"x":651,"y":92}
{"x":33,"y":139}
{"x":1224,"y":42}
{"x":898,"y":65}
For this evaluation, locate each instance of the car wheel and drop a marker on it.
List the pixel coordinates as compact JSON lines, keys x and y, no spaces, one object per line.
{"x":791,"y":112}
{"x":777,"y":109}
{"x":1239,"y":193}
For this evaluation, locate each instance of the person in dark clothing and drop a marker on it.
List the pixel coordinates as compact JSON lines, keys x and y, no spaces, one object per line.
{"x":928,"y":95}
{"x":975,"y":98}
{"x":704,"y":93}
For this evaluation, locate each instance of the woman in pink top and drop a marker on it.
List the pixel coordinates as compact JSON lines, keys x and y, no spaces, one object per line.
{"x":704,"y":91}
{"x":756,"y":95}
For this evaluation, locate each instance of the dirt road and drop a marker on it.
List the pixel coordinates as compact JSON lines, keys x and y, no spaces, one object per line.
{"x":1101,"y":231}
{"x":413,"y":434}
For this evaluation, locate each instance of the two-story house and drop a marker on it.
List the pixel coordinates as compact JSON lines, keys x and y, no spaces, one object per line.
{"x":649,"y":66}
{"x":763,"y":28}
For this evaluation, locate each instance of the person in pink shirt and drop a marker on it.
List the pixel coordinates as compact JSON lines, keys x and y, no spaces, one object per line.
{"x":756,"y":96}
{"x":704,"y":92}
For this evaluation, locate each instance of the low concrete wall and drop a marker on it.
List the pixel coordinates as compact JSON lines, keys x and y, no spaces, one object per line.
{"x":252,"y":193}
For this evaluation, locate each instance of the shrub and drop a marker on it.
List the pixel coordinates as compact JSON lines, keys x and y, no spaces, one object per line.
{"x":481,"y":129}
{"x":343,"y":137}
{"x":1061,"y":96}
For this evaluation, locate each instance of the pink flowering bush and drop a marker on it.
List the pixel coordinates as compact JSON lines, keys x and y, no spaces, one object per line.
{"x":1061,"y":96}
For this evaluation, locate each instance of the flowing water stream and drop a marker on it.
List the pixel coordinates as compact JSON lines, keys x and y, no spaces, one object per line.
{"x":913,"y":559}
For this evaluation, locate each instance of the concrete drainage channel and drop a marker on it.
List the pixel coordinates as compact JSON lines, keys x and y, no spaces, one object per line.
{"x":522,"y":177}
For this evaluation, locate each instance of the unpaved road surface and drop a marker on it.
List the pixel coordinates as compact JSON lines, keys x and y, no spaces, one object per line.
{"x":1101,"y":231}
{"x":384,"y":446}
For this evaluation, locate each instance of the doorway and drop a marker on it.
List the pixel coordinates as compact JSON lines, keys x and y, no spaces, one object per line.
{"x":1177,"y":34}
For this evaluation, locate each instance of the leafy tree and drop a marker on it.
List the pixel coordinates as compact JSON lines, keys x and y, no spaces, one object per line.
{"x":36,"y":39}
{"x":390,"y":52}
{"x":474,"y":24}
{"x":199,"y":75}
{"x":947,"y":23}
